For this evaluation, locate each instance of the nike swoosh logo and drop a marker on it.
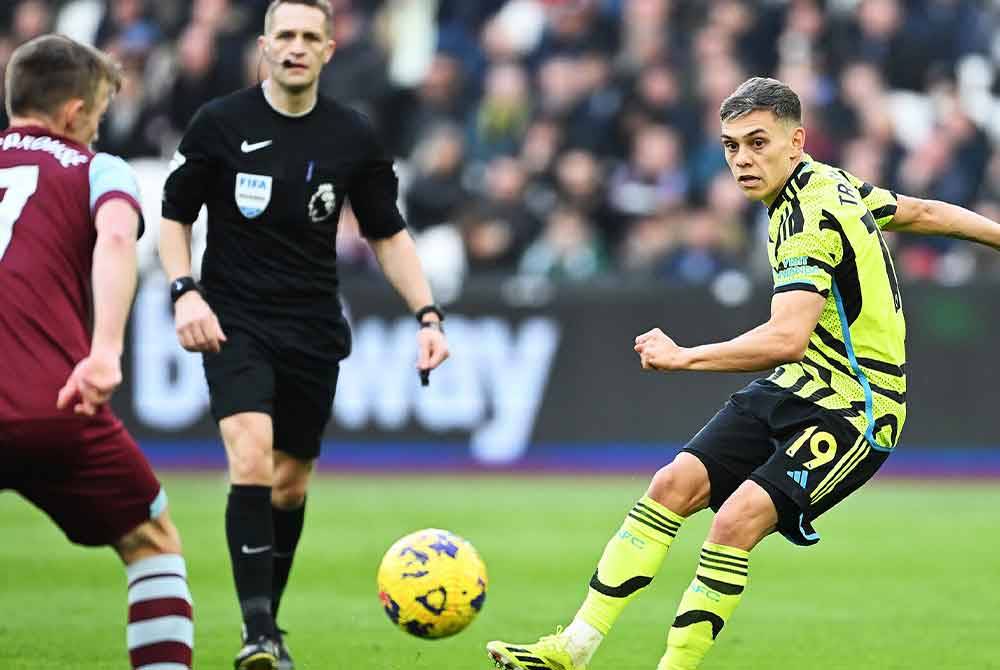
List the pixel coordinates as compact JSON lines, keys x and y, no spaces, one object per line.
{"x":247,"y":148}
{"x":255,"y":550}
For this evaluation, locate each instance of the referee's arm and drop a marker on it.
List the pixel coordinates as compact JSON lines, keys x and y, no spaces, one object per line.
{"x":175,"y":248}
{"x":197,"y":326}
{"x":373,"y":194}
{"x":397,"y":256}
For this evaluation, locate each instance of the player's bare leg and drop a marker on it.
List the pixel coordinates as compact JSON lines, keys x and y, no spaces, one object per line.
{"x":248,"y":438}
{"x":682,"y":486}
{"x":288,"y":502}
{"x":160,"y":627}
{"x":747,"y":517}
{"x":630,"y":561}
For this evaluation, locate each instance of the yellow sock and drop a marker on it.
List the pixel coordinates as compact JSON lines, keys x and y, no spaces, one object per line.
{"x":706,"y":606}
{"x":630,"y":561}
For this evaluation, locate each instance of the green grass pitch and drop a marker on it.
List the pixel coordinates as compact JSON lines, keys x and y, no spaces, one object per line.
{"x":907,"y":576}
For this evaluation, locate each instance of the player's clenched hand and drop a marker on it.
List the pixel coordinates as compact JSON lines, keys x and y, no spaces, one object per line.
{"x":91,"y":383}
{"x":432,"y":348}
{"x":197,"y":326}
{"x":657,"y":351}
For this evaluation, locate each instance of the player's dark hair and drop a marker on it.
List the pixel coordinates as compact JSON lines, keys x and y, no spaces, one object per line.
{"x":321,"y":5}
{"x":49,"y":70}
{"x":762,"y":93}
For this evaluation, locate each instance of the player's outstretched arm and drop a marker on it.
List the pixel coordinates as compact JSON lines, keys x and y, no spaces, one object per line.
{"x":933,"y":217}
{"x":197,"y":326}
{"x":397,"y":256}
{"x":783,"y":339}
{"x":96,"y":377}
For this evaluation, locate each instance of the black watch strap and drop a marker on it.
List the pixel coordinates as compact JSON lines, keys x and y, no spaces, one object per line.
{"x":429,"y":309}
{"x":182,"y":285}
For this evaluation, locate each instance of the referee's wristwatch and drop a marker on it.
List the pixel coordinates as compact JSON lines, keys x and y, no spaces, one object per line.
{"x":430,"y":309}
{"x":182,"y":285}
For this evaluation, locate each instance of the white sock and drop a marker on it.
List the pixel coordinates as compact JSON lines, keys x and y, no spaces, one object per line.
{"x":160,"y":632}
{"x":582,"y":641}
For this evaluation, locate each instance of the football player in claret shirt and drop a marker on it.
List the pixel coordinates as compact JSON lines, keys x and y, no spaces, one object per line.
{"x":69,"y":219}
{"x":785,"y":449}
{"x":274,"y":164}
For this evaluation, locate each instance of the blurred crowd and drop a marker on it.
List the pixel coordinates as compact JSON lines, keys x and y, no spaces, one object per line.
{"x":578,"y":139}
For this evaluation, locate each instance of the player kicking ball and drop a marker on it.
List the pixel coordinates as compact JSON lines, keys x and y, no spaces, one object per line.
{"x":785,"y":449}
{"x":69,"y":219}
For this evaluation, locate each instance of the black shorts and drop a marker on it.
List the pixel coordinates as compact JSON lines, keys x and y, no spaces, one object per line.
{"x":277,"y":371}
{"x":807,"y":458}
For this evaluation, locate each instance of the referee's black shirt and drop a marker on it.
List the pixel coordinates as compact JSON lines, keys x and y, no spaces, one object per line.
{"x":274,"y":186}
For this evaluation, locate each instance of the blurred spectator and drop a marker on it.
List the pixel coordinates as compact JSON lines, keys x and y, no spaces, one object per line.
{"x":580,"y":184}
{"x":654,"y":179}
{"x":542,"y":142}
{"x":514,"y":31}
{"x":498,"y":228}
{"x":576,"y":91}
{"x":6,"y":49}
{"x":498,"y":124}
{"x":702,"y":253}
{"x":199,"y":77}
{"x":568,"y":248}
{"x":903,"y":45}
{"x":440,"y":98}
{"x":804,"y":80}
{"x":646,"y":34}
{"x":648,"y":242}
{"x":356,"y":75}
{"x":714,"y":238}
{"x":575,"y":26}
{"x":436,"y":194}
{"x":31,"y":19}
{"x":126,"y":18}
{"x":657,"y":97}
{"x":128,"y":128}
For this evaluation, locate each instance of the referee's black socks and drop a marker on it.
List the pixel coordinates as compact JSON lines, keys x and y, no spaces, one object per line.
{"x":250,"y":532}
{"x":287,"y":530}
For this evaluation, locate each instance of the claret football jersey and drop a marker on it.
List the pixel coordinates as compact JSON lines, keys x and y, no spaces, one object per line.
{"x":50,"y":190}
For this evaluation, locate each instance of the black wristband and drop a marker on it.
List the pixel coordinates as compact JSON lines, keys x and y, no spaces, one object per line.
{"x":182,"y":285}
{"x":429,"y":309}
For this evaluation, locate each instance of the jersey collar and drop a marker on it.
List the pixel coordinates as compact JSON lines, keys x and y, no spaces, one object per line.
{"x":42,"y":131}
{"x":783,"y":193}
{"x":267,"y":99}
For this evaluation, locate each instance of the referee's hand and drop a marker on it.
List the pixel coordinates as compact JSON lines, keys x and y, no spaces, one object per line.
{"x":432,"y":349}
{"x":197,"y":327}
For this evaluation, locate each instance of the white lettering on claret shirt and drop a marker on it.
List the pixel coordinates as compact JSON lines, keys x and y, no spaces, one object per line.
{"x":67,"y":156}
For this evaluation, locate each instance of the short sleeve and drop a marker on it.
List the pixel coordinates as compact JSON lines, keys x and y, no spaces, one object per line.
{"x":374,"y":190}
{"x":807,"y":260}
{"x":192,"y":170}
{"x":111,"y":178}
{"x":879,"y":201}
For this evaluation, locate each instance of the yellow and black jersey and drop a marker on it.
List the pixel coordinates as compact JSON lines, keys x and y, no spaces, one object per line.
{"x":825,"y":236}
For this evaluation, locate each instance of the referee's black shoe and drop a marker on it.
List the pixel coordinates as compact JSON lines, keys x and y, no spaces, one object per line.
{"x":259,"y":654}
{"x":285,"y":661}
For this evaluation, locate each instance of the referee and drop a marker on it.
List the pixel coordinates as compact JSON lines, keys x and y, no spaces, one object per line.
{"x":274,"y":164}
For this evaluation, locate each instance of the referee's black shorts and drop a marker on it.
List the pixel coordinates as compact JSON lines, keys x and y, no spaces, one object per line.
{"x":286,"y":368}
{"x":807,"y":458}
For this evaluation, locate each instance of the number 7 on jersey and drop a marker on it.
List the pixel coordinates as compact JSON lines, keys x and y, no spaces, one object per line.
{"x":17,"y":185}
